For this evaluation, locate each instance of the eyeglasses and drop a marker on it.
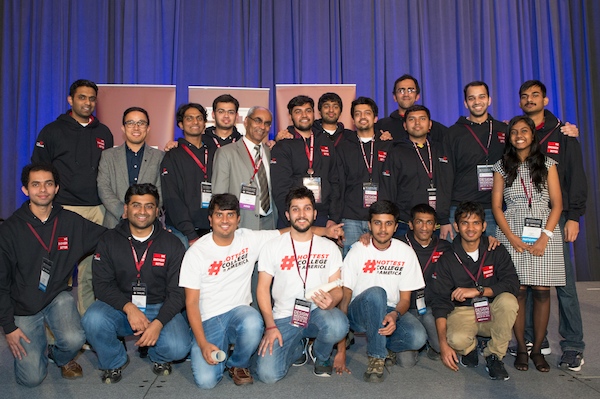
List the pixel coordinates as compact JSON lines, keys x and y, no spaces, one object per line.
{"x":136,"y":123}
{"x":191,"y":118}
{"x":410,"y":90}
{"x":229,"y":112}
{"x":259,"y":121}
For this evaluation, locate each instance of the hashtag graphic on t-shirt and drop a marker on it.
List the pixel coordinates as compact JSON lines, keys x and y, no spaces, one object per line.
{"x":369,"y":266}
{"x":214,"y":268}
{"x":287,"y":263}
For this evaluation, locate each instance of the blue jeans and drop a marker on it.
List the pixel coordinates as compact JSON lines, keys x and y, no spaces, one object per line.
{"x":63,"y":319}
{"x":428,"y":321}
{"x":353,"y":229}
{"x":490,"y":230}
{"x":328,"y":327}
{"x":184,"y":240}
{"x":103,"y":325}
{"x":570,"y":325}
{"x":241,"y":326}
{"x":365,"y":314}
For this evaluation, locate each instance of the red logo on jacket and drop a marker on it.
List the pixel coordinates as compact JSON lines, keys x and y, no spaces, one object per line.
{"x":324,"y":150}
{"x":553,"y":147}
{"x":63,"y":243}
{"x":381,"y":155}
{"x":502,"y":137}
{"x":100,"y":143}
{"x":488,"y":271}
{"x":159,"y":260}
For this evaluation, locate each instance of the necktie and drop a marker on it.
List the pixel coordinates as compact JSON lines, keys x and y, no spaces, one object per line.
{"x":265,"y":201}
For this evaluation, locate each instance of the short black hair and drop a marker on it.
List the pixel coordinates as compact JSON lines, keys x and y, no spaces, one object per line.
{"x":138,"y":109}
{"x":297,"y":193}
{"x":36,"y":167}
{"x":225,"y":202}
{"x":467,"y":208}
{"x":298,"y":101}
{"x":422,"y":208}
{"x":415,"y":108}
{"x":225,"y":98}
{"x":142,"y":189}
{"x":476,"y":83}
{"x":384,"y":207}
{"x":530,"y":83}
{"x":364,"y":101}
{"x":184,"y":107}
{"x":82,"y":83}
{"x":405,"y":77}
{"x":329,"y":97}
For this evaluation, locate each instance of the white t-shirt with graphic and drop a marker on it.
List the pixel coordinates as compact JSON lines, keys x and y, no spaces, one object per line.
{"x":394,"y":269}
{"x":223,"y":273}
{"x":277,"y":259}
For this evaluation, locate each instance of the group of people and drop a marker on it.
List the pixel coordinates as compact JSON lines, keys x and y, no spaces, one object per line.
{"x":180,"y":248}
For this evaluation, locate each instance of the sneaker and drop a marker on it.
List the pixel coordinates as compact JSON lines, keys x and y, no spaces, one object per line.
{"x":495,"y":368}
{"x":240,"y":376}
{"x":482,"y":343}
{"x":390,"y":359}
{"x":71,"y":370}
{"x":571,"y":360}
{"x":433,"y":354}
{"x":470,"y":360}
{"x":114,"y":375}
{"x":162,"y":368}
{"x":546,"y":347}
{"x":349,"y":339}
{"x":301,"y":361}
{"x":546,"y":350}
{"x":374,"y":371}
{"x":323,"y":368}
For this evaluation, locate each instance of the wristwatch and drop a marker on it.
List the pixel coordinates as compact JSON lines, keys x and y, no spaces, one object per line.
{"x":480,"y":288}
{"x":548,"y":233}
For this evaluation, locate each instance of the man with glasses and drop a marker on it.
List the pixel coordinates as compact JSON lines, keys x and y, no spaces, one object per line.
{"x":186,"y":176}
{"x":406,"y":93}
{"x":73,"y":143}
{"x":133,"y":162}
{"x":225,"y":113}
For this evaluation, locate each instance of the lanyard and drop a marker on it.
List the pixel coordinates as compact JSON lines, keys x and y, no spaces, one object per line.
{"x":307,"y":262}
{"x":467,"y":270}
{"x":140,"y":263}
{"x":368,"y":164}
{"x":255,"y":165}
{"x":219,"y":145}
{"x":430,"y":170}
{"x":310,"y":152}
{"x":430,"y":256}
{"x":529,"y":195}
{"x":485,"y":149}
{"x":337,"y":141}
{"x":195,"y":158}
{"x":551,"y":131}
{"x":49,"y":246}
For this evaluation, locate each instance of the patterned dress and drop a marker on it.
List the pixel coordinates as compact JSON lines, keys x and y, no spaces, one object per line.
{"x":547,"y":270}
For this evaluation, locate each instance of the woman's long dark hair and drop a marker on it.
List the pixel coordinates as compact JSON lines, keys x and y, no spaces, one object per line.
{"x":536,"y":161}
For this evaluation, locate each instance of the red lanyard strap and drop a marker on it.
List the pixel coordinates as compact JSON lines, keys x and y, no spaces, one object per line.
{"x":195,"y":158}
{"x":430,"y":170}
{"x":529,"y":195}
{"x":551,"y":131}
{"x":255,"y":165}
{"x":310,"y":152}
{"x":140,"y":263}
{"x":475,"y":279}
{"x":307,"y":261}
{"x":430,"y":256}
{"x":485,"y":149}
{"x":368,"y":164}
{"x":49,"y":246}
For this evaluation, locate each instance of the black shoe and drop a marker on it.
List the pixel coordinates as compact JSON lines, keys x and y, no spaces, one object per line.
{"x":143,"y":351}
{"x":162,"y":368}
{"x":470,"y":360}
{"x":495,"y":368}
{"x":301,"y":361}
{"x":113,"y":376}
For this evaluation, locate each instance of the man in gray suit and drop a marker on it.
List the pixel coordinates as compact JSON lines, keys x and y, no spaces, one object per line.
{"x":135,"y":162}
{"x":242,"y":169}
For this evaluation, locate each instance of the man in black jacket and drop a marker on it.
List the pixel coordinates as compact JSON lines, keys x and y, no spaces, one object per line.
{"x":330,"y":108}
{"x":225,"y":114}
{"x":39,"y":246}
{"x":474,"y":293}
{"x":136,"y":280}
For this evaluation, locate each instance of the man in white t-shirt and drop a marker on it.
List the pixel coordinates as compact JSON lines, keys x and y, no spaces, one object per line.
{"x":219,"y":266}
{"x":378,"y":281}
{"x":293,"y":319}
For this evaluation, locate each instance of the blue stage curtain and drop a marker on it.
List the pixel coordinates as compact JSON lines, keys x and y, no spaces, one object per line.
{"x":48,"y":44}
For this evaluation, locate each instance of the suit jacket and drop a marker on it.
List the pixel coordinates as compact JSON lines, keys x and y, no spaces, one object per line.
{"x":231,"y":169}
{"x":113,"y":180}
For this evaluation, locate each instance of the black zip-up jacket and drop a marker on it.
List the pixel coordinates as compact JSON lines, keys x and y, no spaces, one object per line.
{"x":75,"y":152}
{"x":428,"y":258}
{"x":114,"y":269}
{"x":21,"y":259}
{"x":353,"y":172}
{"x":405,"y":181}
{"x":335,"y":138}
{"x":450,"y":275}
{"x":289,"y":164}
{"x":567,"y":152}
{"x":180,"y":179}
{"x":211,"y":139}
{"x":395,"y":125}
{"x":465,"y":154}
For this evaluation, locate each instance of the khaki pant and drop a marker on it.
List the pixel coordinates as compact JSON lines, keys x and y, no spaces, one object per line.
{"x":462,"y":328}
{"x":85,"y":290}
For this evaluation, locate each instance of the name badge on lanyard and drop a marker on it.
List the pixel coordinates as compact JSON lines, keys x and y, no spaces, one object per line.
{"x":432,"y":197}
{"x":301,"y":313}
{"x":370,"y":194}
{"x":206,"y":193}
{"x":139,"y":293}
{"x":45,"y":274}
{"x":485,"y":177}
{"x":313,"y":183}
{"x":248,"y":197}
{"x":421,"y":308}
{"x":482,"y":309}
{"x":532,"y":230}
